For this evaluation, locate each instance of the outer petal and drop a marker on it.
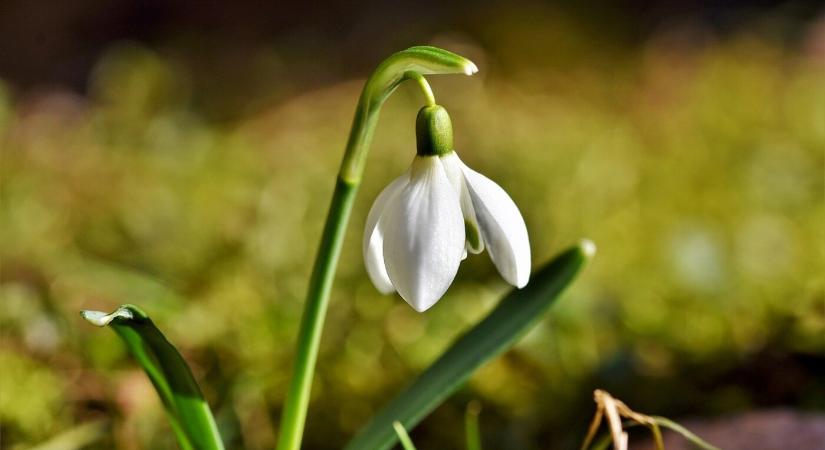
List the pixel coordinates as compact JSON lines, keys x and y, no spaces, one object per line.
{"x":373,"y":246}
{"x":453,"y":167}
{"x":423,"y":235}
{"x":502,"y":228}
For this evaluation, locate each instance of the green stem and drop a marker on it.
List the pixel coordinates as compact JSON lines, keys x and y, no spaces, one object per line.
{"x":425,"y":87}
{"x":471,"y":428}
{"x":394,"y":70}
{"x":406,"y":442}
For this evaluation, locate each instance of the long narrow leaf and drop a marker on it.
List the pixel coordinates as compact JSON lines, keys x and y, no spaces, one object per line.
{"x":687,"y":434}
{"x":189,"y":414}
{"x":516,"y":314}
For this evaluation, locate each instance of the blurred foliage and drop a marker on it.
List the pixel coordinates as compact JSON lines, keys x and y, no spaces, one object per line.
{"x":696,"y":165}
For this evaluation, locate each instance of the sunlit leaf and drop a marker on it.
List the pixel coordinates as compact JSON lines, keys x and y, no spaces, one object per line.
{"x":188,"y":412}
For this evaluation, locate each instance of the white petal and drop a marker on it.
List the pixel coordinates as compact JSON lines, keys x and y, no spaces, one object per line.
{"x":502,"y":228}
{"x":453,"y":167}
{"x":423,"y":235}
{"x":373,"y":246}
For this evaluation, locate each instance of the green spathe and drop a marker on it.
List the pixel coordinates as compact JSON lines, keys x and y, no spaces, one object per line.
{"x":433,"y":131}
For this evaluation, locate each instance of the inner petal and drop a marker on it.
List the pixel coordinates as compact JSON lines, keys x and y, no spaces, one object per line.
{"x":453,"y":167}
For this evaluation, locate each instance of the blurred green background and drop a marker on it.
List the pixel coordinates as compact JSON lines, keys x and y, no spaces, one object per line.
{"x":184,"y":163}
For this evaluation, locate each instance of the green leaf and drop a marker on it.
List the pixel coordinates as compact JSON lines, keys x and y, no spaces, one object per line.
{"x":515,"y":315}
{"x":188,"y":412}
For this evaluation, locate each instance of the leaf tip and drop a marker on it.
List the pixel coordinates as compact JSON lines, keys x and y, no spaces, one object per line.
{"x":588,"y":248}
{"x":470,"y":68}
{"x":101,"y":319}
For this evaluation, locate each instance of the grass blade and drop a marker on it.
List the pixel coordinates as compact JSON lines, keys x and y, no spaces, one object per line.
{"x":76,"y":438}
{"x":188,"y":412}
{"x":687,"y":434}
{"x":516,"y":314}
{"x":406,"y":442}
{"x":604,"y":442}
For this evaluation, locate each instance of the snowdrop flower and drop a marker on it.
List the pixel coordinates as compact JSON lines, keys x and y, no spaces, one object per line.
{"x":425,"y":222}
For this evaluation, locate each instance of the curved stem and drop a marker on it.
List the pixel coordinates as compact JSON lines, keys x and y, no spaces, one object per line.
{"x":387,"y":77}
{"x":422,"y":83}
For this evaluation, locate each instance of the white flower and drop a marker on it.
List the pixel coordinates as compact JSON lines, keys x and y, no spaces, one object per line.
{"x":423,"y":224}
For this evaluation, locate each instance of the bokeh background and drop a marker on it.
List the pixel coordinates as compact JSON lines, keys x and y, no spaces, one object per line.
{"x":181,"y":155}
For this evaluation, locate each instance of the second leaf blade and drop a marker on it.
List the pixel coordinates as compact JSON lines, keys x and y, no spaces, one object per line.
{"x":514,"y":316}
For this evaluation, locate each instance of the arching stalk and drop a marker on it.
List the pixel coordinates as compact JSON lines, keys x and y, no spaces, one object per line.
{"x":412,"y":63}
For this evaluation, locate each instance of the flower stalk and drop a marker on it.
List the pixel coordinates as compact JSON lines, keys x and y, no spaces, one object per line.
{"x":413,"y":64}
{"x":429,"y":97}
